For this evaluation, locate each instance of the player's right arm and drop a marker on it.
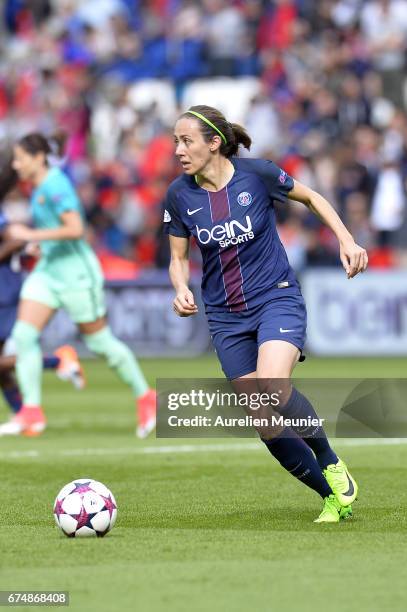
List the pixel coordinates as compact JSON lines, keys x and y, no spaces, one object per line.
{"x":184,"y":302}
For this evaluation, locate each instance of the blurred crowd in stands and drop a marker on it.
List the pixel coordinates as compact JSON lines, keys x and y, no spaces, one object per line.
{"x":320,"y":86}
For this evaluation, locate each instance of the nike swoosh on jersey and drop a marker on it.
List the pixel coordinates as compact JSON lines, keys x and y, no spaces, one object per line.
{"x":285,"y":331}
{"x":192,"y":212}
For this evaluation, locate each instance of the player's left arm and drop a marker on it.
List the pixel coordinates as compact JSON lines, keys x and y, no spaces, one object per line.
{"x":353,"y":257}
{"x":71,"y":228}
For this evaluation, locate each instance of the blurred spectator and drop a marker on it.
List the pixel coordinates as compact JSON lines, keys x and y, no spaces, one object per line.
{"x":357,"y":219}
{"x":389,"y":200}
{"x":262,"y":125}
{"x":276,"y":26}
{"x":353,"y":107}
{"x":225,"y":36}
{"x":292,"y":235}
{"x":384,"y":23}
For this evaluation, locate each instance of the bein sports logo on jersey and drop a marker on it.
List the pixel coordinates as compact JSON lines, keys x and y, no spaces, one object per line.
{"x":244,"y":198}
{"x":231,"y":233}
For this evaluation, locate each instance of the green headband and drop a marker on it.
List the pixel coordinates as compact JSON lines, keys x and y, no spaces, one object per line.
{"x":205,"y":120}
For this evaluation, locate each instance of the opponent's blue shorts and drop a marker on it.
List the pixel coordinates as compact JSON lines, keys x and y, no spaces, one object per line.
{"x":237,"y":336}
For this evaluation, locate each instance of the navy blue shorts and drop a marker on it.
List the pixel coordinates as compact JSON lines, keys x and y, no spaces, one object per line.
{"x":237,"y":336}
{"x":8,"y":315}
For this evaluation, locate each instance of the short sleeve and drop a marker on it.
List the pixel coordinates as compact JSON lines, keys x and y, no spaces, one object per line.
{"x":278,"y":182}
{"x":63,"y":196}
{"x":172,"y":221}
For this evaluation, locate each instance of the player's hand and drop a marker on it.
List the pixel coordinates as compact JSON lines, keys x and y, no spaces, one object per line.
{"x":353,"y":257}
{"x":184,"y":303}
{"x":18,"y":231}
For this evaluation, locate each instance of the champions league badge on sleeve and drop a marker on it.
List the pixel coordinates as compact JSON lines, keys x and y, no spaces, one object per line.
{"x":283,"y":177}
{"x":244,"y":198}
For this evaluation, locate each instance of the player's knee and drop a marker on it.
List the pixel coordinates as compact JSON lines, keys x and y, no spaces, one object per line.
{"x":98,"y":342}
{"x":105,"y":344}
{"x":24,"y":335}
{"x":119,"y":355}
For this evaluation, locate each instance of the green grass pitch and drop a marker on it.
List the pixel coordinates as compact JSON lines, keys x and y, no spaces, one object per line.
{"x":203,"y":525}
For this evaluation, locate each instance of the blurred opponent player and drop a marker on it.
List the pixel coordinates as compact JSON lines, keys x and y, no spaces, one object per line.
{"x":67,"y":276}
{"x":64,"y":361}
{"x":253,"y":302}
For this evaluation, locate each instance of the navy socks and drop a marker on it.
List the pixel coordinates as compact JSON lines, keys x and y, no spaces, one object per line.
{"x":12,"y":393}
{"x":50,"y":362}
{"x":298,"y":406}
{"x":294,"y":456}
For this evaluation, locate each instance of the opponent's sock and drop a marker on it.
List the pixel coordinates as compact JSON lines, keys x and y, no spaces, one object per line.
{"x":13,"y":398}
{"x":29,"y":362}
{"x":119,"y":357}
{"x":294,"y":456}
{"x":50,"y":362}
{"x":298,"y":406}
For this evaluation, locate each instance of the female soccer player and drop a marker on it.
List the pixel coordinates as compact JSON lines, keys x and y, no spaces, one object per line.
{"x":65,"y":360}
{"x":67,"y":276}
{"x":253,"y":302}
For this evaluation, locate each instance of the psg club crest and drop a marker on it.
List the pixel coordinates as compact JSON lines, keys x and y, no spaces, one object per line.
{"x":244,"y":198}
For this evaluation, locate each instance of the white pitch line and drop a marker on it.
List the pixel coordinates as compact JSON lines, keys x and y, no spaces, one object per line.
{"x":19,"y":454}
{"x":186,"y":448}
{"x":158,"y":450}
{"x":368,"y":441}
{"x":146,"y":450}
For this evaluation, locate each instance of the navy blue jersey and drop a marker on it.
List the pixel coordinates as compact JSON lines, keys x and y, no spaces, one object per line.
{"x":244,"y":262}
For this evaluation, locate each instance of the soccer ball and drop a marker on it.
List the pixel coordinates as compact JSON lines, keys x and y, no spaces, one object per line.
{"x":84,"y":508}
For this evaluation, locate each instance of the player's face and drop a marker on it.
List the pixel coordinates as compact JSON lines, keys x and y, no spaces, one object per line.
{"x":192,"y":150}
{"x":27,"y":165}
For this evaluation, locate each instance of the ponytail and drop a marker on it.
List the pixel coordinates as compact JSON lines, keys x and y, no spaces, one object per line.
{"x":212,"y":122}
{"x":52,"y":147}
{"x":241,"y":137}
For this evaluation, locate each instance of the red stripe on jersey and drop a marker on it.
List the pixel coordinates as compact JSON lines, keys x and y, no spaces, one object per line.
{"x":229,"y":256}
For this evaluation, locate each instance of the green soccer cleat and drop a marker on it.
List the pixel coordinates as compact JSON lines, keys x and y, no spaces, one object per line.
{"x":341,"y":483}
{"x":331,"y":511}
{"x":345,"y":513}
